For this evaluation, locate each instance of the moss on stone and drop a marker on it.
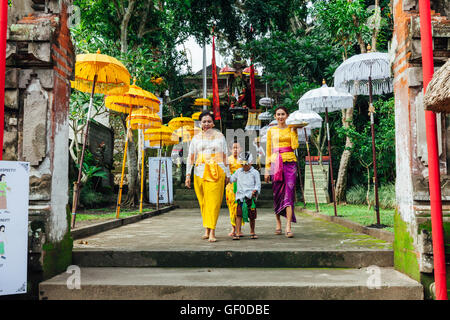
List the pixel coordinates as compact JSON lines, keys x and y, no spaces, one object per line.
{"x":58,"y":256}
{"x":405,"y":259}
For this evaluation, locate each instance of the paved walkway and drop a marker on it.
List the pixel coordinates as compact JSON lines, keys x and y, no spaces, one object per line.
{"x":181,"y":229}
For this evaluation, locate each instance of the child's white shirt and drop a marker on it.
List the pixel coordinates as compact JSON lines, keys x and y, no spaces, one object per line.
{"x":246,"y":182}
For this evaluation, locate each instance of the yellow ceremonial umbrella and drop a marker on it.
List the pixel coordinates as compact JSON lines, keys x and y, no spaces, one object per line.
{"x":143,"y":118}
{"x":202,"y":102}
{"x":181,"y":121}
{"x":142,"y":106}
{"x":159,"y":137}
{"x":196,"y":116}
{"x":96,"y":73}
{"x":186,"y":133}
{"x":135,"y":97}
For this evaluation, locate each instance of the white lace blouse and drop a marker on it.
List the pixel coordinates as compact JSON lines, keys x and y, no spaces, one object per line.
{"x":206,"y":144}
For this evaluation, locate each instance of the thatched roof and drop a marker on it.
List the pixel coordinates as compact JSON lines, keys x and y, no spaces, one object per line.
{"x":437,"y":96}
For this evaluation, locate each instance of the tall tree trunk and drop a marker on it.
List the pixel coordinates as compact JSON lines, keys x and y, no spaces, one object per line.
{"x":124,"y":26}
{"x":376,"y":25}
{"x":341,"y":184}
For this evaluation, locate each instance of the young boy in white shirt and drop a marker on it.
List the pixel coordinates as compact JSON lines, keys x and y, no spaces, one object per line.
{"x":248,"y":188}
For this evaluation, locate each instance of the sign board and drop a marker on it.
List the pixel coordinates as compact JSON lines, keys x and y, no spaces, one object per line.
{"x":320,"y":180}
{"x":165,"y":180}
{"x":14,"y":195}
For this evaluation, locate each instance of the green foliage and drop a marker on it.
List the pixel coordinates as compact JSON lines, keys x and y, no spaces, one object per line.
{"x":360,"y":134}
{"x":94,"y":171}
{"x":386,"y":194}
{"x":294,"y":64}
{"x":151,"y":42}
{"x":356,"y":213}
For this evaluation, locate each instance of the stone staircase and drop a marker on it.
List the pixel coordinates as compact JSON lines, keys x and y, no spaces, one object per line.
{"x":164,"y":258}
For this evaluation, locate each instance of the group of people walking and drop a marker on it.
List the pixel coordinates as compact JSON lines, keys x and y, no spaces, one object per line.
{"x":213,"y":171}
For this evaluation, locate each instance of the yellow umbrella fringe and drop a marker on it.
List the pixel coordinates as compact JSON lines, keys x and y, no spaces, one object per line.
{"x":100,"y":87}
{"x":125,"y":103}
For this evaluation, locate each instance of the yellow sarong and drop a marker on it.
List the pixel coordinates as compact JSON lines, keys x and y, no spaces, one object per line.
{"x":209,"y":189}
{"x":229,"y":191}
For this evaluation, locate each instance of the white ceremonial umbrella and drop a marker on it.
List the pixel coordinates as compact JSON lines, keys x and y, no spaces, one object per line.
{"x":326,"y":99}
{"x":367,"y":74}
{"x":265,"y":116}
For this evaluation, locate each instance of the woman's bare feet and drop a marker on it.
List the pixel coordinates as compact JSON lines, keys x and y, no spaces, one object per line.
{"x":212,"y":235}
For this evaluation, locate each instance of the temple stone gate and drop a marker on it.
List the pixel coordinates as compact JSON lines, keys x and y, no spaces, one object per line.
{"x":39,"y":61}
{"x":413,"y":251}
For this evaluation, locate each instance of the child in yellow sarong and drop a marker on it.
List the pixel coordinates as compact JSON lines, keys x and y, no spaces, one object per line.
{"x":230,"y":193}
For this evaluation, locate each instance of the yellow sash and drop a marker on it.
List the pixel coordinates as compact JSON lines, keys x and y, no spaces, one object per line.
{"x":211,"y":172}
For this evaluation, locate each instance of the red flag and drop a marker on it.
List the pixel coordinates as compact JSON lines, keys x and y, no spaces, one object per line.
{"x":215,"y":86}
{"x":252,"y":86}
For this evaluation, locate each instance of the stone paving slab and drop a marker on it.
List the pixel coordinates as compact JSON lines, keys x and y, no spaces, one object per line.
{"x":234,"y":284}
{"x":181,"y":230}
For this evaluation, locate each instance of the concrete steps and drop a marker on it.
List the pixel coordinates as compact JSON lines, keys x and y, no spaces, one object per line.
{"x":233,"y":284}
{"x":164,"y":258}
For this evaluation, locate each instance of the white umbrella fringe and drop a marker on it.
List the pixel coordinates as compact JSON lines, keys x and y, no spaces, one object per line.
{"x":325,"y":97}
{"x":352,"y":74}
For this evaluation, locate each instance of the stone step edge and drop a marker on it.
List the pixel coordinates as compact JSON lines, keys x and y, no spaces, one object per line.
{"x":90,"y":230}
{"x":97,"y":258}
{"x":206,"y":283}
{"x":373,"y":232}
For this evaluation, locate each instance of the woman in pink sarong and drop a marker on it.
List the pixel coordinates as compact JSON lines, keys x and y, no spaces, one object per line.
{"x":281,"y":167}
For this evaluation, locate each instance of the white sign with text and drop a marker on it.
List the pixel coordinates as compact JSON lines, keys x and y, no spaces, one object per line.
{"x":14,"y":194}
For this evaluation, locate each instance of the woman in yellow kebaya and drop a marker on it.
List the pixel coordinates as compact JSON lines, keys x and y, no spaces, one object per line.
{"x":234,"y":164}
{"x":208,"y":156}
{"x":281,"y":167}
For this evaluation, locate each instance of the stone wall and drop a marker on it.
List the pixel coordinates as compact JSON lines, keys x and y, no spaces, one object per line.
{"x":40,"y":59}
{"x":413,"y":252}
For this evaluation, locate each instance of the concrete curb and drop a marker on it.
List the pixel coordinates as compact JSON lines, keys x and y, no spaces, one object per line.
{"x":376,"y":233}
{"x":108,"y":225}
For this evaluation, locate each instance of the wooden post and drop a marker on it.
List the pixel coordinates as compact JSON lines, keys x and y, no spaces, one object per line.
{"x":312,"y":174}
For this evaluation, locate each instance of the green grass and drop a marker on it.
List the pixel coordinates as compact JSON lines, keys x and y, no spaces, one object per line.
{"x":107,"y":213}
{"x":356,"y":213}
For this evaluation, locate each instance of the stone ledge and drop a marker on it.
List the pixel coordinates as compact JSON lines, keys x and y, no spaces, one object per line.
{"x":105,"y":226}
{"x":376,"y":233}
